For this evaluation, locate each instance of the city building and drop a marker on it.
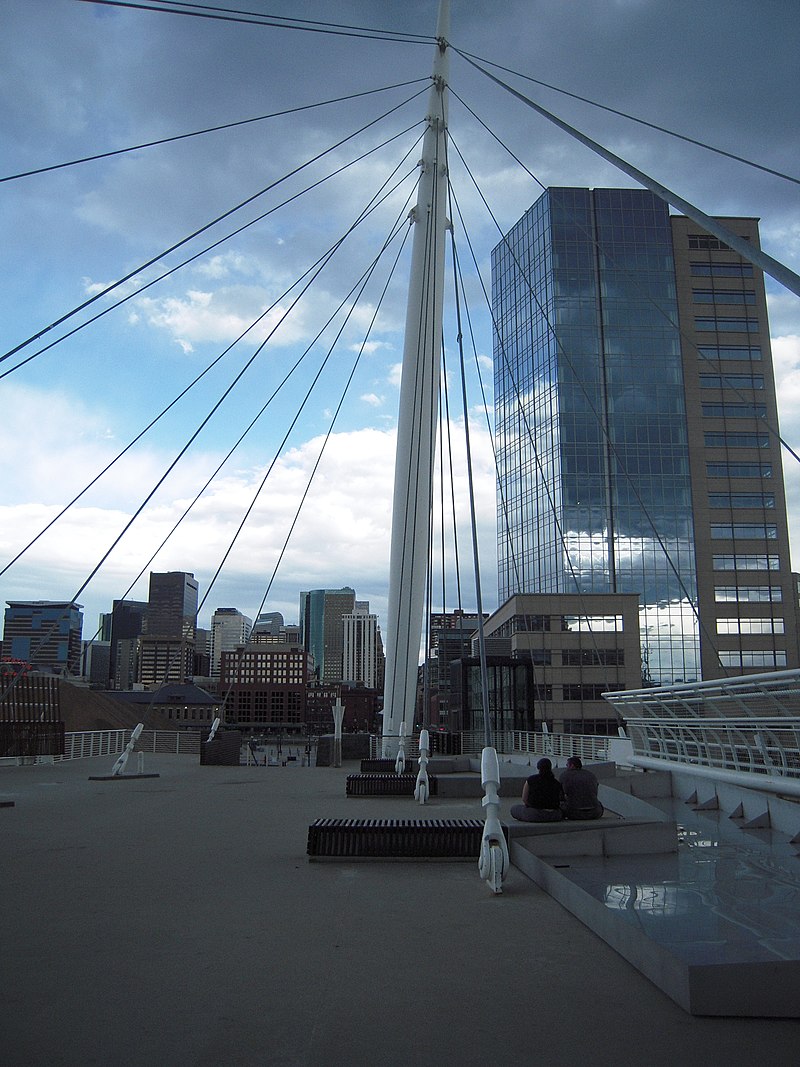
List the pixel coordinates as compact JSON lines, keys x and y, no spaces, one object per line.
{"x":746,"y":590}
{"x":264,"y":687}
{"x":44,"y":633}
{"x":96,"y":662}
{"x":127,"y":620}
{"x":166,"y":645}
{"x":322,"y":614}
{"x":285,"y":634}
{"x":449,"y":639}
{"x":361,"y":706}
{"x":229,"y":629}
{"x":268,"y":622}
{"x":31,"y":721}
{"x":202,"y":654}
{"x":361,"y":646}
{"x":182,"y":703}
{"x":578,"y":646}
{"x":509,"y":684}
{"x":634,"y":418}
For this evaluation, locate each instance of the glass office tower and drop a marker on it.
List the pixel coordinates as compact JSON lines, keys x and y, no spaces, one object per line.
{"x":594,"y":489}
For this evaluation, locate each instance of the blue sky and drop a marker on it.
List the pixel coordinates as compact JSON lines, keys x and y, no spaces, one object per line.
{"x":77,"y":79}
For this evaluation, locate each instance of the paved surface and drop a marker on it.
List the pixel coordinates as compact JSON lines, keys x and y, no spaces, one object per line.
{"x":177,"y":921}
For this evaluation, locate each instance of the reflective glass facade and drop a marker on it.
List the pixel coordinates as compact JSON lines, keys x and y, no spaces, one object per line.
{"x":594,"y":492}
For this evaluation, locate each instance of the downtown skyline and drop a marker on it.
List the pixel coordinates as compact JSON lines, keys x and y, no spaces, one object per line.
{"x":80,"y":79}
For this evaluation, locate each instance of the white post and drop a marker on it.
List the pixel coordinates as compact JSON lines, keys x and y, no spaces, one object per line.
{"x":494,"y":860}
{"x":338,"y":716}
{"x":400,"y":762}
{"x":419,"y":401}
{"x":422,"y":790}
{"x":119,"y":765}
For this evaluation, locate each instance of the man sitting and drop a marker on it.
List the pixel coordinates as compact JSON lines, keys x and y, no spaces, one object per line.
{"x":580,"y":792}
{"x":541,"y":796}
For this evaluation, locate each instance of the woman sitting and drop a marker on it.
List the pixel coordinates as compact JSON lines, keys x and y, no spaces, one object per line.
{"x":541,"y":796}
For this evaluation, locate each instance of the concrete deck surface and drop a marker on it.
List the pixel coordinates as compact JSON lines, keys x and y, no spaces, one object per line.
{"x":177,"y":921}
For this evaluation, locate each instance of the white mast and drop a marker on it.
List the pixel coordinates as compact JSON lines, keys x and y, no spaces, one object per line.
{"x":419,"y":401}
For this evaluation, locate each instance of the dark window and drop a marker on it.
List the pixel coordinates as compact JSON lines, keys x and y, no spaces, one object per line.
{"x":722,"y":270}
{"x":743,"y":531}
{"x":589,"y":692}
{"x":748,"y":352}
{"x":731,"y":381}
{"x":723,"y":296}
{"x":741,"y":500}
{"x":593,"y":657}
{"x":736,"y":440}
{"x":727,"y":325}
{"x":739,"y":470}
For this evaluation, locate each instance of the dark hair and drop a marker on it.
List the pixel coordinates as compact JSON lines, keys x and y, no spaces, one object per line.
{"x":575,"y":761}
{"x":545,"y":766}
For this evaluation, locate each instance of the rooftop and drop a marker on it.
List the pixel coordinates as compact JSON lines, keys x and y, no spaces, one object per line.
{"x":177,"y":920}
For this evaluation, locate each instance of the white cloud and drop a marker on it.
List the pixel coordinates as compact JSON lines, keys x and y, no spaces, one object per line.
{"x":371,"y":399}
{"x":341,"y":535}
{"x":370,"y":347}
{"x":222,"y":316}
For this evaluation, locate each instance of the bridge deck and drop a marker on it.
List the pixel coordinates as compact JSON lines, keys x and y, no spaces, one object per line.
{"x":178,"y":921}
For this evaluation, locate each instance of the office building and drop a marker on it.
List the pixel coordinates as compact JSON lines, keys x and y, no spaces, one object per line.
{"x":449,"y":639}
{"x":171,"y":605}
{"x":360,"y":646}
{"x":578,"y":646}
{"x":44,"y":633}
{"x":229,"y":629}
{"x":166,"y":646}
{"x":96,"y":662}
{"x":268,"y":622}
{"x":634,"y":401}
{"x":264,"y":686}
{"x":322,"y":614}
{"x":745,"y":586}
{"x":127,"y":620}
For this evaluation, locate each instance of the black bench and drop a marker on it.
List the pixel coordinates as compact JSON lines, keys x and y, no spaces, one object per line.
{"x":385,"y":765}
{"x":385,"y":785}
{"x":395,"y":838}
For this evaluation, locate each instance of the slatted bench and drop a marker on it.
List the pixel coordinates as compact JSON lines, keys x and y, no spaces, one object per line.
{"x":386,"y":785}
{"x":453,"y":839}
{"x":375,"y":765}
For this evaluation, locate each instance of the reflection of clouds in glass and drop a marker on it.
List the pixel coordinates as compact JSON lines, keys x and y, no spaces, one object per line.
{"x":668,"y":625}
{"x":656,"y":899}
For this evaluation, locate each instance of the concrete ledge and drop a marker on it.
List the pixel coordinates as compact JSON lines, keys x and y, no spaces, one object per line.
{"x":746,"y":989}
{"x":120,"y":777}
{"x":609,"y":836}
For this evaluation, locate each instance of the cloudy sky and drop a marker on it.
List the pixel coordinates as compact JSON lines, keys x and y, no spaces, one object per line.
{"x":78,"y":80}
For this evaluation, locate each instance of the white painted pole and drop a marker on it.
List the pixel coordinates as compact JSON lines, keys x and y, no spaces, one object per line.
{"x":121,"y":761}
{"x":338,"y":716}
{"x":422,"y":788}
{"x":400,"y":762}
{"x":416,"y":425}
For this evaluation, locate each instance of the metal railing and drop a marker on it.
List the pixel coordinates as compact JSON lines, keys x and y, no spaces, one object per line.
{"x":514,"y":742}
{"x":744,"y":730}
{"x":759,"y":745}
{"x":84,"y":744}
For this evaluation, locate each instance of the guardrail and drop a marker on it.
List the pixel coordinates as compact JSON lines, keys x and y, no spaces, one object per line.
{"x":519,"y":742}
{"x":83,"y":744}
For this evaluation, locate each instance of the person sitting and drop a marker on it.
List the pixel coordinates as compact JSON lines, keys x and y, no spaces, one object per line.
{"x":580,"y":792}
{"x":541,"y":796}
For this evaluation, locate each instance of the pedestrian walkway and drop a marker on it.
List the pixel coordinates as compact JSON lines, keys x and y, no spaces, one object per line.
{"x":177,"y":921}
